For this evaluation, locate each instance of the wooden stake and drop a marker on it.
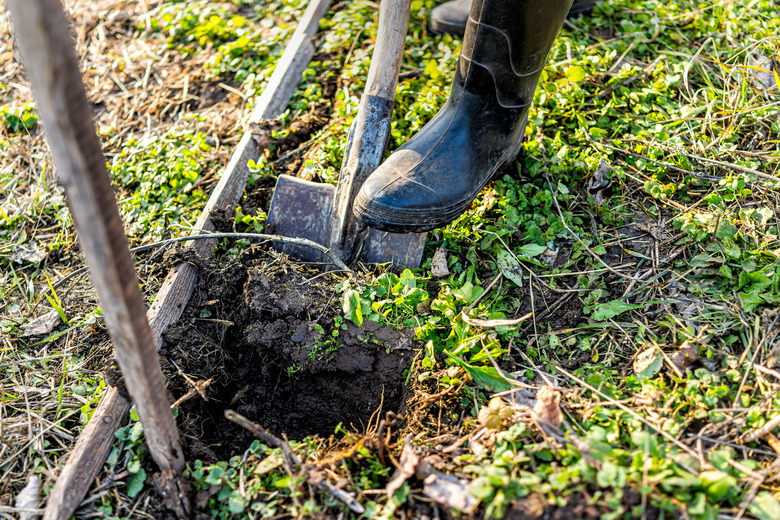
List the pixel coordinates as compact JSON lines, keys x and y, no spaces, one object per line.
{"x":41,"y":28}
{"x":94,"y":444}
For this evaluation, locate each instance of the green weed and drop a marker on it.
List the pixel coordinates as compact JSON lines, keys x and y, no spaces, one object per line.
{"x":161,"y":177}
{"x":19,"y":119}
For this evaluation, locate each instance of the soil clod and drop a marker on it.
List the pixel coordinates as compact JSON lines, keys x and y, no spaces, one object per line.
{"x":280,"y":355}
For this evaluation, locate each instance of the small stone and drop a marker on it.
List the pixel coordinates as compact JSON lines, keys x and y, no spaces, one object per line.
{"x":439,"y":267}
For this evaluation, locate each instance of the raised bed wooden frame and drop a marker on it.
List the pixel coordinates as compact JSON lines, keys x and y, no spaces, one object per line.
{"x":92,"y":448}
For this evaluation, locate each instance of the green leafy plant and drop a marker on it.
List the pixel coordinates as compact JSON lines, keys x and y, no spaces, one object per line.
{"x":132,"y":437}
{"x":19,"y":119}
{"x":161,"y":178}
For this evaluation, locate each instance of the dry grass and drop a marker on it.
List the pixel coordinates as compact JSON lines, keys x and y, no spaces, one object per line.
{"x":139,"y":87}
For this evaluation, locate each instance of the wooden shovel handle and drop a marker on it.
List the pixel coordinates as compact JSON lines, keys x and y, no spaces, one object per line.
{"x":389,"y":48}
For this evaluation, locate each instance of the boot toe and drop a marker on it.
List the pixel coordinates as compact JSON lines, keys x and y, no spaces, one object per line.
{"x":450,"y":17}
{"x":392,"y":200}
{"x":434,"y":177}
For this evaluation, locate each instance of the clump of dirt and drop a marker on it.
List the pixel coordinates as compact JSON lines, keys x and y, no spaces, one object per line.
{"x":269,"y":336}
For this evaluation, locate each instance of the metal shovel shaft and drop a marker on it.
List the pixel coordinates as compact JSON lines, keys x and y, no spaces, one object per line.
{"x":366,"y":144}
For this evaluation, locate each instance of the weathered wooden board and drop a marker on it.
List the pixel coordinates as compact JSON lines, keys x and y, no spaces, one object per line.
{"x":41,"y":30}
{"x":95,"y":442}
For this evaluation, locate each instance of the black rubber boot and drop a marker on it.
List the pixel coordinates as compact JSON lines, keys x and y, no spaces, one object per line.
{"x":434,"y":177}
{"x":450,"y":17}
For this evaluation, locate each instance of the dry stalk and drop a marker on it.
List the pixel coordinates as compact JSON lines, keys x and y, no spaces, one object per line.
{"x":724,"y":164}
{"x":609,"y":400}
{"x":577,"y":238}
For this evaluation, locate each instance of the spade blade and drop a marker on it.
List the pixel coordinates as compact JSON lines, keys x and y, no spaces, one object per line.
{"x":301,"y":209}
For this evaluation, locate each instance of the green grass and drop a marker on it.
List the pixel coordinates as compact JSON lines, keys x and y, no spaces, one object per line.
{"x":684,"y":86}
{"x":160,"y":177}
{"x":242,"y":38}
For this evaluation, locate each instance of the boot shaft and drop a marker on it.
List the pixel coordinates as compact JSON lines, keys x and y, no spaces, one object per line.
{"x":509,"y":40}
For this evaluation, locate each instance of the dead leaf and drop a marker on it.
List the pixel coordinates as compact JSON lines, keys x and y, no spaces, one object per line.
{"x":762,"y":71}
{"x":407,"y":467}
{"x":29,"y":498}
{"x":439,"y":263}
{"x":27,"y":253}
{"x":474,"y":322}
{"x":262,"y":131}
{"x":450,"y":491}
{"x":476,"y":447}
{"x":202,"y":498}
{"x":522,"y":396}
{"x":32,"y":390}
{"x":648,"y":362}
{"x":42,"y":324}
{"x":600,"y":182}
{"x":686,"y":355}
{"x":268,"y":464}
{"x":549,"y":256}
{"x":440,"y":487}
{"x":427,"y":466}
{"x":547,"y":412}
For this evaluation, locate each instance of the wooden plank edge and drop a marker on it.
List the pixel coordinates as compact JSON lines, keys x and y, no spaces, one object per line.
{"x":94,"y":444}
{"x":291,"y":65}
{"x":80,"y":471}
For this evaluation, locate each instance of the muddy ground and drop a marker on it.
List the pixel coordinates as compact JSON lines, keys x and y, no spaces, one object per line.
{"x":267,"y":335}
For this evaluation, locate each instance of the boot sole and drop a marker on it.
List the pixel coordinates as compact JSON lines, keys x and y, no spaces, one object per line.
{"x":441,"y":27}
{"x":381,"y":219}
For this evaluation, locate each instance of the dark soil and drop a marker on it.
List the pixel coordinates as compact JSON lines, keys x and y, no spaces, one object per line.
{"x":266,"y":333}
